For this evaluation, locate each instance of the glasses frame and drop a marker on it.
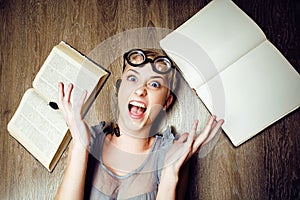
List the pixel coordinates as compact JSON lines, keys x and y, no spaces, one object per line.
{"x":147,"y":60}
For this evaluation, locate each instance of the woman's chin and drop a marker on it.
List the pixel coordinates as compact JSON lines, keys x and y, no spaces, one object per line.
{"x":134,"y":126}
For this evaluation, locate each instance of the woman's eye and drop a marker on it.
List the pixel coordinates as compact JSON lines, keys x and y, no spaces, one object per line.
{"x":155,"y":84}
{"x":131,"y":78}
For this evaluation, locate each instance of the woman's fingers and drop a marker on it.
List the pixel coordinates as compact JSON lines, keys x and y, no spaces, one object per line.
{"x":208,"y":133}
{"x":61,"y":92}
{"x":68,"y":93}
{"x":193,"y":131}
{"x":204,"y":134}
{"x":207,"y":130}
{"x":62,"y":95}
{"x":64,"y":100}
{"x":182,"y":138}
{"x":215,"y":128}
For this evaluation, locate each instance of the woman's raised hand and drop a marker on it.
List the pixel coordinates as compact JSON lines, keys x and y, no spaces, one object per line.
{"x":188,"y":143}
{"x":180,"y":151}
{"x":72,"y":114}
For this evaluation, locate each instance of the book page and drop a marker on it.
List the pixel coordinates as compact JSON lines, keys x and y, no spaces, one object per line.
{"x":257,"y":90}
{"x":68,"y":66}
{"x":221,"y":30}
{"x":38,"y":127}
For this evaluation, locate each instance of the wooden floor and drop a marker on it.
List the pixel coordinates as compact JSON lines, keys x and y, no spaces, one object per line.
{"x":266,"y":167}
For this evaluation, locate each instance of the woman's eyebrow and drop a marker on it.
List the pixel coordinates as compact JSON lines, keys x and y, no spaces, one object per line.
{"x":152,"y":77}
{"x":164,"y":80}
{"x":157,"y":77}
{"x":133,"y":71}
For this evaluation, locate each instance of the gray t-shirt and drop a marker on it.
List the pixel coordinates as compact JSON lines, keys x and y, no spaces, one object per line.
{"x":139,"y":184}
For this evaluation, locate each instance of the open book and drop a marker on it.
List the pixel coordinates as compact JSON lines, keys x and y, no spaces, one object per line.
{"x":41,"y":129}
{"x":236,"y":72}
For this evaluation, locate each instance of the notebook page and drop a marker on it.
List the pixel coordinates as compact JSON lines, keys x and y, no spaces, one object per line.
{"x":259,"y":89}
{"x":222,"y":31}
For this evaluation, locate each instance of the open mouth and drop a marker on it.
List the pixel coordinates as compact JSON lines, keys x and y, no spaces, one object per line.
{"x":136,"y":109}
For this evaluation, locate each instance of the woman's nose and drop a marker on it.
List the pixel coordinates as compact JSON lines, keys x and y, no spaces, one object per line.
{"x":141,"y":91}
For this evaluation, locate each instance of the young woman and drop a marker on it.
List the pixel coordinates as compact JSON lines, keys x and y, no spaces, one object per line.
{"x":130,"y":161}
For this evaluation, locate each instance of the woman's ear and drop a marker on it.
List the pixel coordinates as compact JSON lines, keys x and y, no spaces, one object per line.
{"x":169,"y":101}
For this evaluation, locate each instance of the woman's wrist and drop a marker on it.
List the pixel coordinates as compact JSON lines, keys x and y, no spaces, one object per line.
{"x":169,"y":179}
{"x":79,"y":146}
{"x":80,"y":135}
{"x":168,"y":184}
{"x":170,"y":175}
{"x":76,"y":149}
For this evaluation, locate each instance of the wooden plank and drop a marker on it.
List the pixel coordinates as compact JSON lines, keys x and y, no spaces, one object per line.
{"x":266,"y":167}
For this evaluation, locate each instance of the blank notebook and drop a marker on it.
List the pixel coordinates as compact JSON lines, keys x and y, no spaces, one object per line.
{"x":235,"y":70}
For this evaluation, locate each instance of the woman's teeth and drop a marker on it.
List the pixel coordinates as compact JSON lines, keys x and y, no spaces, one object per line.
{"x":138,"y":104}
{"x":137,"y":108}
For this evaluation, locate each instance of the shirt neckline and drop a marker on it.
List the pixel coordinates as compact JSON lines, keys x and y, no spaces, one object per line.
{"x":129,"y":173}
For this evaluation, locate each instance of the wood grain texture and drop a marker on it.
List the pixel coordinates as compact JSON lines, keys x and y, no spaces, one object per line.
{"x":265,"y":167}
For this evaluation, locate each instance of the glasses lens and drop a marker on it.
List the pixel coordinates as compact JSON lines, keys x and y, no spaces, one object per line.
{"x":163,"y":65}
{"x":136,"y":57}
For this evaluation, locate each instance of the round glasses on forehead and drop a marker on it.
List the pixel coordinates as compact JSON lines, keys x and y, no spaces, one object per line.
{"x":138,"y":58}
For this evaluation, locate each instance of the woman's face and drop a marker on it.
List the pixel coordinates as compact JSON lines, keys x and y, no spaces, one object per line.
{"x":143,"y":93}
